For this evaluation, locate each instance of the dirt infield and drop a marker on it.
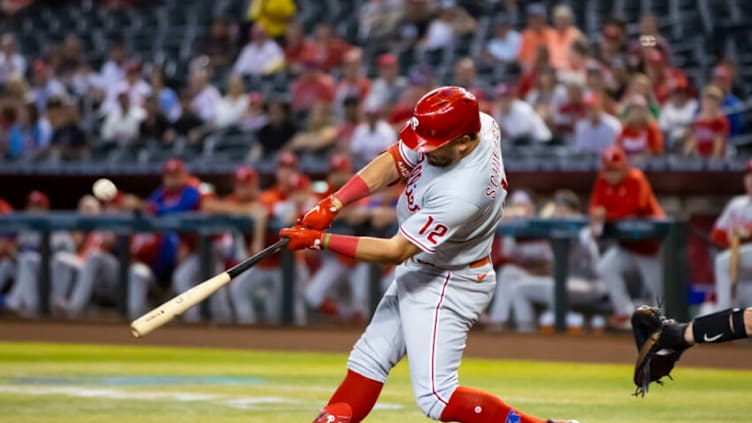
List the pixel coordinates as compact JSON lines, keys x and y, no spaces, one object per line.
{"x":586,"y":349}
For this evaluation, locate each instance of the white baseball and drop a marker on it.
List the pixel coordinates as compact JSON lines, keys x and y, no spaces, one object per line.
{"x":104,"y":189}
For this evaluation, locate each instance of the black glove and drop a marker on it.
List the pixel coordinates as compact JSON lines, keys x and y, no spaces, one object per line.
{"x":660,"y":343}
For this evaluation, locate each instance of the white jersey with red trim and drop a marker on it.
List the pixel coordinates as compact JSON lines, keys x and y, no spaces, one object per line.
{"x":737,"y":214}
{"x":451,"y":213}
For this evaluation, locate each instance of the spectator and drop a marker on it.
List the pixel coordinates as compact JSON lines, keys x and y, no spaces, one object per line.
{"x":353,"y":83}
{"x":70,"y":57}
{"x":640,"y":85}
{"x":167,"y":99}
{"x":319,"y":135}
{"x":346,"y":127}
{"x":297,"y":47}
{"x":84,"y":83}
{"x":255,"y":116}
{"x":465,"y":76}
{"x":537,"y":33}
{"x":578,"y":60}
{"x":155,"y":125}
{"x":530,"y":75}
{"x":677,"y":114}
{"x":622,"y":192}
{"x":68,"y":141}
{"x":205,"y":95}
{"x":113,"y":71}
{"x":29,"y":136}
{"x":44,"y":85}
{"x":420,"y":81}
{"x":260,"y":56}
{"x":657,"y":70}
{"x":640,"y":136}
{"x":11,"y":62}
{"x":327,"y":48}
{"x":451,"y":22}
{"x":377,"y":19}
{"x":122,"y":123}
{"x":8,"y":118}
{"x":189,"y":125}
{"x":567,"y":113}
{"x":16,"y":91}
{"x":598,"y":130}
{"x":312,"y":86}
{"x":272,"y":15}
{"x":372,"y":137}
{"x":711,"y":127}
{"x":278,"y":131}
{"x":220,"y":44}
{"x":732,"y":106}
{"x":504,"y":45}
{"x":517,"y":120}
{"x":611,"y":47}
{"x":232,"y":107}
{"x":389,"y":85}
{"x":562,"y":37}
{"x":651,"y":37}
{"x":545,"y":95}
{"x":133,"y":85}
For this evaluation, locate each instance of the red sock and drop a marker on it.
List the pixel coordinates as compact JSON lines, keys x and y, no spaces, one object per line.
{"x":469,"y":405}
{"x":359,"y":392}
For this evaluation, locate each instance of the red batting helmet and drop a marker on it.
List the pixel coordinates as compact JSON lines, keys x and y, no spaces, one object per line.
{"x":441,"y":116}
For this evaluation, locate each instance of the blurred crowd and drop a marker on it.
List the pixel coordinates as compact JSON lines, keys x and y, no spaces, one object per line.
{"x":545,"y":81}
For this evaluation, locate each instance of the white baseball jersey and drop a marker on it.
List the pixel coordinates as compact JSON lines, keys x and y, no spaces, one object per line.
{"x":738,"y":213}
{"x":451,"y":213}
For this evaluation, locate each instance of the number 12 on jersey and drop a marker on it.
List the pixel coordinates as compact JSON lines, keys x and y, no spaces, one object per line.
{"x":436,"y":230}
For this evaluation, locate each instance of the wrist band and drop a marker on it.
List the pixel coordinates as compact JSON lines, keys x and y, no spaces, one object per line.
{"x":342,"y":244}
{"x":353,"y":190}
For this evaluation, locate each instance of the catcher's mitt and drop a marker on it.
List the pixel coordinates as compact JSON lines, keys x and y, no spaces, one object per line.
{"x":655,"y":337}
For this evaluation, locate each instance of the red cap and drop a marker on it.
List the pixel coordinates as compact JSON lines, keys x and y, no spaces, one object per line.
{"x":340,"y":162}
{"x":173,"y":166}
{"x":132,"y":66}
{"x":611,"y":32}
{"x":299,"y":182}
{"x":38,"y":198}
{"x":614,"y":158}
{"x":255,"y":97}
{"x":245,"y":175}
{"x":677,"y":82}
{"x":721,"y":72}
{"x":592,"y":99}
{"x":387,"y":59}
{"x":441,"y":116}
{"x":39,"y":65}
{"x":287,"y":159}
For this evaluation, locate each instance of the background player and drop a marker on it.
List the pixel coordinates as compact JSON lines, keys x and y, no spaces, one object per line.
{"x":445,"y":278}
{"x":736,"y":220}
{"x":623,"y":192}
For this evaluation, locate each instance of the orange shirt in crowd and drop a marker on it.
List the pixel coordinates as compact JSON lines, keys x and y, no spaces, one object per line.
{"x":632,"y":198}
{"x":559,"y":45}
{"x":530,"y":42}
{"x":639,"y":140}
{"x":706,"y":130}
{"x":5,"y":208}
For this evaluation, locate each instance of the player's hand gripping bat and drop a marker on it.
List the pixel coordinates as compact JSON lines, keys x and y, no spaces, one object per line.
{"x":177,"y":305}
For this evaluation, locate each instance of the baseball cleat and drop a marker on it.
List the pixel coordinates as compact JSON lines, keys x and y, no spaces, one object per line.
{"x":335,"y":413}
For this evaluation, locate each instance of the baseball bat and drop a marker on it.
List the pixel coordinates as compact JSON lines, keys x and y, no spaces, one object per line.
{"x":182,"y":302}
{"x":734,"y":259}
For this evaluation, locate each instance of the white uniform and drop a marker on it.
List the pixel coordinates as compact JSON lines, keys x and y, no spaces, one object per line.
{"x":737,"y":214}
{"x":451,"y":214}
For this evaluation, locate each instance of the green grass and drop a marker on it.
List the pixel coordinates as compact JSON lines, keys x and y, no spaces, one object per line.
{"x":42,"y":383}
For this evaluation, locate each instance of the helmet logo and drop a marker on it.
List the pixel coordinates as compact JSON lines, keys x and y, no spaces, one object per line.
{"x":414,"y":123}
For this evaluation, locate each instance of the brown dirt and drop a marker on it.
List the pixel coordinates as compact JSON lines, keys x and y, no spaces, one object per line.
{"x":587,"y":349}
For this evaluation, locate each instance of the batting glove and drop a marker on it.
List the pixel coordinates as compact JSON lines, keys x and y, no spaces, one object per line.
{"x":301,"y":238}
{"x":319,"y":217}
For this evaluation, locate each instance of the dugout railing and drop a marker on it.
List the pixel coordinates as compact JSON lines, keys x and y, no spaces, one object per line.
{"x":558,"y":231}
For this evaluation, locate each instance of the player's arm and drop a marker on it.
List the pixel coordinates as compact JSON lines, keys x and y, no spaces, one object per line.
{"x":382,"y":171}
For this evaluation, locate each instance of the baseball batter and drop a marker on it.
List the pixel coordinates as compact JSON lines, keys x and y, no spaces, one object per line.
{"x":450,"y":155}
{"x":736,"y":218}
